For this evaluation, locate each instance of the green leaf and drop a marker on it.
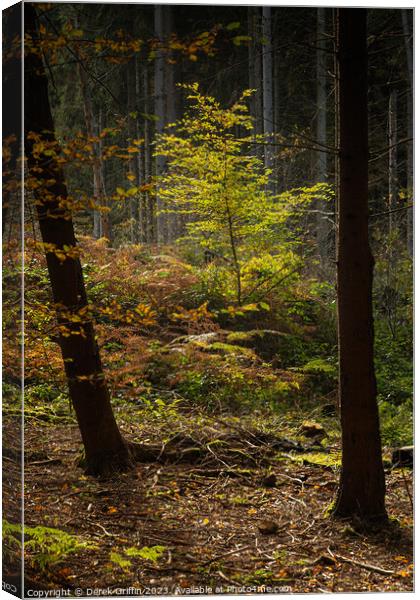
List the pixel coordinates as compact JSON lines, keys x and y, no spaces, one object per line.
{"x":240,"y":39}
{"x":233,"y":25}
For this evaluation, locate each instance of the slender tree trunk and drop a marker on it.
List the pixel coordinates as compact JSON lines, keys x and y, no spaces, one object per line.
{"x":362,"y":483}
{"x":105,"y":448}
{"x":105,"y":216}
{"x":132,"y":163}
{"x":392,"y":159}
{"x":321,"y":129}
{"x":336,"y":126}
{"x":142,"y":234}
{"x":89,"y":122}
{"x":252,"y":83}
{"x":11,"y":112}
{"x":409,"y":54}
{"x":160,"y":112}
{"x":151,"y":236}
{"x":279,"y":105}
{"x":255,"y":78}
{"x":267,"y":63}
{"x":254,"y":69}
{"x":171,"y":93}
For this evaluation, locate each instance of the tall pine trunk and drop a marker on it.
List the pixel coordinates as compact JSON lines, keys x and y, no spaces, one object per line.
{"x":132,"y":163}
{"x":268,"y":107}
{"x":321,"y":129}
{"x":170,"y":106}
{"x":160,"y":113}
{"x":140,"y":160}
{"x":392,"y":159}
{"x":362,"y":483}
{"x":98,"y":192}
{"x":409,"y":55}
{"x":11,"y":114}
{"x":105,"y":448}
{"x":151,"y":221}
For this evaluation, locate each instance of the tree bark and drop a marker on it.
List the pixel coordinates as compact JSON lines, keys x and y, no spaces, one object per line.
{"x":255,"y":76}
{"x":321,"y":129}
{"x":170,"y":116}
{"x":409,"y":55}
{"x":151,"y":221}
{"x":105,"y":448}
{"x":142,"y":231}
{"x":98,"y":224}
{"x":392,"y":160}
{"x":267,"y":63}
{"x":362,"y":483}
{"x":160,"y":112}
{"x":132,"y":163}
{"x":105,"y":216}
{"x":11,"y":114}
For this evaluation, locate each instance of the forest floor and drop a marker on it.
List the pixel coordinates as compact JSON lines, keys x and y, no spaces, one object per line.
{"x":237,"y":414}
{"x":236,"y":517}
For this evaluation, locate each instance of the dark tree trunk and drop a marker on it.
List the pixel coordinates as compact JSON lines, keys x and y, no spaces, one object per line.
{"x":409,"y":53}
{"x":362,"y":483}
{"x":132,"y":163}
{"x":105,"y":449}
{"x":11,"y":111}
{"x":392,"y":161}
{"x":322,"y":228}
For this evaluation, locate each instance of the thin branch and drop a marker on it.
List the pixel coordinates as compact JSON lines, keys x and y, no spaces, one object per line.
{"x":91,"y":75}
{"x":388,"y":212}
{"x":298,"y":147}
{"x":384,"y":151}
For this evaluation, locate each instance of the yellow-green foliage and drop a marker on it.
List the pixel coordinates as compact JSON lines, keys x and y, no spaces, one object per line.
{"x":331,"y":459}
{"x":45,"y":546}
{"x":151,"y":553}
{"x":213,"y":174}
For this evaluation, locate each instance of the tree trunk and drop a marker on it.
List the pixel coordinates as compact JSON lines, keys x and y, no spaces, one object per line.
{"x":252,"y":83}
{"x":105,"y":449}
{"x":255,"y":79}
{"x":11,"y":114}
{"x":151,"y":236}
{"x":160,"y":112}
{"x":89,"y":119}
{"x":392,"y":159}
{"x":362,"y":484}
{"x":267,"y":63}
{"x":321,"y":130}
{"x":140,"y":162}
{"x":409,"y":54}
{"x":132,"y":163}
{"x":171,"y":94}
{"x":105,"y":216}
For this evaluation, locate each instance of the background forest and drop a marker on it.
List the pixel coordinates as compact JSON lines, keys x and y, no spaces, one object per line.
{"x":199,"y":150}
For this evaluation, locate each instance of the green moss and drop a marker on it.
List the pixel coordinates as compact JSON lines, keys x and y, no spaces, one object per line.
{"x":229,"y":349}
{"x":331,"y":459}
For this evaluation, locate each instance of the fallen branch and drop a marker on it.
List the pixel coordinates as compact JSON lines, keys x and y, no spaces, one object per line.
{"x":207,"y":562}
{"x":223,"y":576}
{"x":362,"y":565}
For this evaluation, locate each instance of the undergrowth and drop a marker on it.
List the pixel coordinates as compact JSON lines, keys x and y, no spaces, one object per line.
{"x":173,"y":343}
